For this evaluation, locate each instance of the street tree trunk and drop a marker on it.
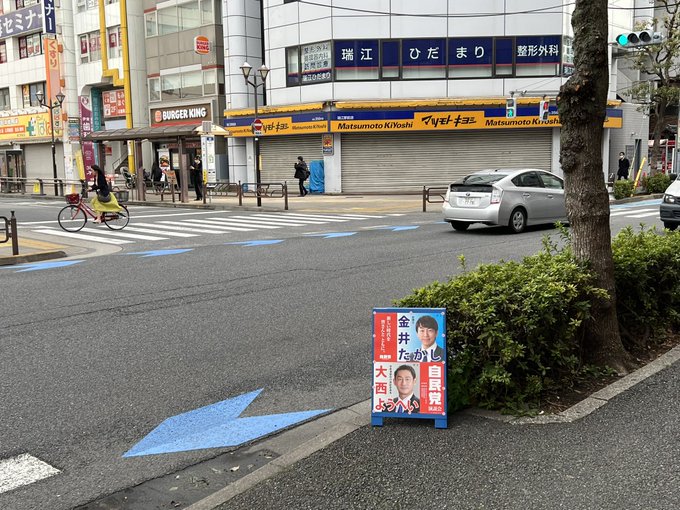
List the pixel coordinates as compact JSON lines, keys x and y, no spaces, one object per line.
{"x":582,"y":107}
{"x":655,"y":159}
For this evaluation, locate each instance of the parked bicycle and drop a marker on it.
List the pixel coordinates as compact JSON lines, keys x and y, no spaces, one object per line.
{"x":73,"y":217}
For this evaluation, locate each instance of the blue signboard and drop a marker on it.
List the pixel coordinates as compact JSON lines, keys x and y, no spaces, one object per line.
{"x":470,"y":51}
{"x":49,"y":17}
{"x":423,"y":52}
{"x":409,"y":364}
{"x":23,"y":21}
{"x":504,"y":51}
{"x":538,"y":49}
{"x":356,"y":54}
{"x":390,"y":54}
{"x":97,"y":108}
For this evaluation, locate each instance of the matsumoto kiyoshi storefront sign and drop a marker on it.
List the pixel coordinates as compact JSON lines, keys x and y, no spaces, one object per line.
{"x":179,"y":115}
{"x":404,"y":120}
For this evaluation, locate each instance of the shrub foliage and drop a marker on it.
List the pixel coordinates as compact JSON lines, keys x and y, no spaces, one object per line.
{"x":623,"y":189}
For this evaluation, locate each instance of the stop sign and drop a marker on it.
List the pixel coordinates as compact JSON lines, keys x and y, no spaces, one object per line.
{"x":257,"y":126}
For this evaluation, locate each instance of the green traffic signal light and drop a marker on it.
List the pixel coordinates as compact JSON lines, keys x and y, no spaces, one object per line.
{"x":622,"y":40}
{"x":510,"y":113}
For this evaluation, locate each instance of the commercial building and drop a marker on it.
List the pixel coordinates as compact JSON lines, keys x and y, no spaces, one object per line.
{"x":392,"y":95}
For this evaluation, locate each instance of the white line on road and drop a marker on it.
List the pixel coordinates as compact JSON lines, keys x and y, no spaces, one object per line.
{"x":245,"y":223}
{"x":72,"y":235}
{"x":132,"y":216}
{"x":645,"y":215}
{"x":118,"y":233}
{"x":23,"y":470}
{"x":159,"y":232}
{"x":284,"y":223}
{"x":280,"y":217}
{"x":185,"y":227}
{"x":212,"y":224}
{"x":623,"y":213}
{"x":295,"y":216}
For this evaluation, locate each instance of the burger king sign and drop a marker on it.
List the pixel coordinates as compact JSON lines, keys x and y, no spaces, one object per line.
{"x":201,"y":45}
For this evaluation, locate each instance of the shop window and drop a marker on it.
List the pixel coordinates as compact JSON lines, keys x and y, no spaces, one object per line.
{"x":29,"y":91}
{"x":84,"y":49}
{"x":192,"y":84}
{"x":154,"y":89}
{"x":20,"y":4}
{"x":389,"y":55}
{"x":95,"y":48}
{"x":30,"y":46}
{"x":503,"y":64}
{"x":3,"y":52}
{"x":113,"y":37}
{"x":293,"y":66}
{"x":151,"y":24}
{"x":4,"y":99}
{"x":87,"y":5}
{"x":189,"y":16}
{"x":357,"y":60}
{"x":207,"y":12}
{"x":317,"y":62}
{"x":210,"y":82}
{"x":167,"y":20}
{"x":171,"y":86}
{"x":423,"y":58}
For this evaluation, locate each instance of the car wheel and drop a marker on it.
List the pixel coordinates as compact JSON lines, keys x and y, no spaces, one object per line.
{"x":460,"y":225}
{"x":670,"y":226}
{"x":518,"y":221}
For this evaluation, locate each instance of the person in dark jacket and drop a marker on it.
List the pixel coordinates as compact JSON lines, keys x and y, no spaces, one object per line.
{"x":197,"y":176}
{"x":301,"y":174}
{"x":624,"y":166}
{"x":156,"y":176}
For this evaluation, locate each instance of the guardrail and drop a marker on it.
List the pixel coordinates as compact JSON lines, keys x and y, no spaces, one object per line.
{"x":21,"y":184}
{"x":434,"y":195}
{"x":11,"y":232}
{"x":263,"y":190}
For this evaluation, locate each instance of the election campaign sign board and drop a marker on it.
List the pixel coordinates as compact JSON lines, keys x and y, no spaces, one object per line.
{"x":409,"y":364}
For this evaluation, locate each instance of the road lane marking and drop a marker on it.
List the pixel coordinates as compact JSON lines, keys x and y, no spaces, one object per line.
{"x":23,"y":470}
{"x":644,"y":215}
{"x":284,"y":223}
{"x":118,"y":233}
{"x":279,"y":217}
{"x":623,"y":213}
{"x":245,"y":223}
{"x":184,"y":227}
{"x":159,"y":232}
{"x":212,"y":224}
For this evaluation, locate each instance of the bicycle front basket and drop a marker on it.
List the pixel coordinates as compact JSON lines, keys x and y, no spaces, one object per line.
{"x":72,"y":198}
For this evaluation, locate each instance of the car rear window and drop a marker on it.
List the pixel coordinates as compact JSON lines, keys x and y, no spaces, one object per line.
{"x":477,"y":182}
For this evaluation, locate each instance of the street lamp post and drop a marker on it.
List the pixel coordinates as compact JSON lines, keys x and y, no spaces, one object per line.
{"x":40,"y":96}
{"x":263,"y":71}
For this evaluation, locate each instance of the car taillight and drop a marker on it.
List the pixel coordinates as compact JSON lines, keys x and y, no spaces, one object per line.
{"x":448,"y":194}
{"x":496,"y":196}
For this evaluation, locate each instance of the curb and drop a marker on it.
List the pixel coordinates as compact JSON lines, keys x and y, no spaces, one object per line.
{"x":31,"y":257}
{"x":316,"y":435}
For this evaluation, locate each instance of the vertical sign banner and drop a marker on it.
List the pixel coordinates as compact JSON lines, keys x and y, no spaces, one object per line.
{"x":209,"y":164}
{"x":49,"y":17}
{"x":327,"y":144}
{"x":409,"y":365}
{"x":96,"y":109}
{"x":89,"y":158}
{"x":51,"y":49}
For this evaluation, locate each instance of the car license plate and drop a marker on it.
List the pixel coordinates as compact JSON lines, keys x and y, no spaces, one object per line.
{"x":468,"y":201}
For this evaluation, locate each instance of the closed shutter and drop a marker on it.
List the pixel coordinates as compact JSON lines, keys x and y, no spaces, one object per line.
{"x":280,"y":153}
{"x":389,"y":162}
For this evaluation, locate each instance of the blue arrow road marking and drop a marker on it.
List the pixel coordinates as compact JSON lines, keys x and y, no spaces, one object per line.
{"x":400,"y":228}
{"x":215,"y":426}
{"x":258,"y":243}
{"x":332,"y":235}
{"x":159,"y":253}
{"x":24,"y":268}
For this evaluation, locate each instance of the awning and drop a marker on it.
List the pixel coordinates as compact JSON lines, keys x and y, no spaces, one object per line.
{"x":143,"y":133}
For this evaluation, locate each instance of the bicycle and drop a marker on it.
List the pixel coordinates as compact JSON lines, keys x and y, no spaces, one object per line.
{"x":73,"y":217}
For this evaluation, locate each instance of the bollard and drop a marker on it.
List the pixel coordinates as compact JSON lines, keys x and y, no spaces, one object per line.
{"x":61,"y":188}
{"x":15,"y":240}
{"x":285,"y":194}
{"x":424,"y":201}
{"x":240,"y":193}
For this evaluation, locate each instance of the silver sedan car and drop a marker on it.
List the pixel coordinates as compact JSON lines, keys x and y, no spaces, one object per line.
{"x":512,"y":197}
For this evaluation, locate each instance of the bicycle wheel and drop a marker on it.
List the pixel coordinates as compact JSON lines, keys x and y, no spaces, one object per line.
{"x":71,"y":218}
{"x":117,"y":221}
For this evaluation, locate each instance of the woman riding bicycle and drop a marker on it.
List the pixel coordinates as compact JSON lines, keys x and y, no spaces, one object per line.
{"x":105,"y":201}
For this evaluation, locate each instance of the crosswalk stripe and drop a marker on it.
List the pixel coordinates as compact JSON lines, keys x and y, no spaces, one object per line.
{"x":181,"y":229}
{"x":160,"y":232}
{"x":644,"y":215}
{"x":211,"y":224}
{"x":185,"y":227}
{"x":118,"y":233}
{"x":284,"y":223}
{"x":75,"y":235}
{"x":23,"y":470}
{"x":360,"y":216}
{"x":245,"y":223}
{"x":623,"y":213}
{"x":274,"y":217}
{"x":295,"y":216}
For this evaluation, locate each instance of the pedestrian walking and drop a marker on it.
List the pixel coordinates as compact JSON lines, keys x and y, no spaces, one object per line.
{"x":197,"y":175}
{"x":624,"y":166}
{"x":301,"y":174}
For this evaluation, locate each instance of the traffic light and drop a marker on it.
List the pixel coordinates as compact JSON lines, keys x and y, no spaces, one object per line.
{"x":511,"y":108}
{"x":637,"y":39}
{"x":544,"y":110}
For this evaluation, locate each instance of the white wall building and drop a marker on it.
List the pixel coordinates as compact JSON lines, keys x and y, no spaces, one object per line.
{"x":393,"y":94}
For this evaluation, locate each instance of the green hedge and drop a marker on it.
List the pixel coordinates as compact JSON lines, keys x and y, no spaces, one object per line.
{"x":513,"y":329}
{"x":657,"y":183}
{"x":623,"y":189}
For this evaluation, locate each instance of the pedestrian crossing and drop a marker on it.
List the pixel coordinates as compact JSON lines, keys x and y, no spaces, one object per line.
{"x":164,"y":227}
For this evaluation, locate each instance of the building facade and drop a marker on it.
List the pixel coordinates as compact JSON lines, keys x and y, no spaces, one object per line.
{"x":392,"y":95}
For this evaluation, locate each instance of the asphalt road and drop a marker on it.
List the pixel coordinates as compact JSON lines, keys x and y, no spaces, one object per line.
{"x":97,"y":354}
